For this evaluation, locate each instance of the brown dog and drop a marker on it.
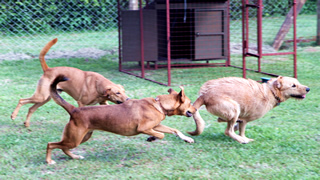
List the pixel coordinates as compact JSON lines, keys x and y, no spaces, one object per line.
{"x":129,"y":118}
{"x":87,"y":88}
{"x":240,"y":100}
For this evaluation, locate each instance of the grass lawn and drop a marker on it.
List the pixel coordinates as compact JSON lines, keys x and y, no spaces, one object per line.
{"x":286,"y":146}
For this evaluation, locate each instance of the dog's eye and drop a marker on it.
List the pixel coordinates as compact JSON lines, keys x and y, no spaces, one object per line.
{"x":117,"y":93}
{"x":293,"y":85}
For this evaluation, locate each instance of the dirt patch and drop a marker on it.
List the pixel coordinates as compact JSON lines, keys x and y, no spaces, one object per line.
{"x":5,"y":81}
{"x":92,"y":53}
{"x":312,"y":49}
{"x":235,"y":48}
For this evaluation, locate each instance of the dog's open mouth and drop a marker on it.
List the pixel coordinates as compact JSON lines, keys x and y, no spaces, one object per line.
{"x":298,"y":96}
{"x":119,"y":102}
{"x":189,"y":114}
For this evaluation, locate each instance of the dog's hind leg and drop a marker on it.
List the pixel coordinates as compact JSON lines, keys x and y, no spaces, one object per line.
{"x":228,"y":111}
{"x":236,"y":127}
{"x":20,"y":103}
{"x":87,"y":137}
{"x":32,"y":109}
{"x":231,"y":133}
{"x":71,"y":138}
{"x":242,"y":129}
{"x":39,"y":102}
{"x":166,"y":129}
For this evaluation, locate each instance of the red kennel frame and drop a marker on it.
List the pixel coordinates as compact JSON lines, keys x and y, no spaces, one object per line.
{"x":246,"y":5}
{"x":147,"y":36}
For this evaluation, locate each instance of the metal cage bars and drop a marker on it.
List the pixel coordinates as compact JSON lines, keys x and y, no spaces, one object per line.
{"x":245,"y":43}
{"x":169,"y":64}
{"x":245,"y":38}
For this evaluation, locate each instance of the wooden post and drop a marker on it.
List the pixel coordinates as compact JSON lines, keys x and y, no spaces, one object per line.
{"x":318,"y":23}
{"x":278,"y":40}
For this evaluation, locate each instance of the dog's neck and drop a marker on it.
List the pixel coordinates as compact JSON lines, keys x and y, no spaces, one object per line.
{"x":278,"y":100}
{"x":159,"y":107}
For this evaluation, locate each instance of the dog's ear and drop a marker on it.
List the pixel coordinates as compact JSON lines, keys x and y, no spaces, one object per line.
{"x":121,"y":87}
{"x":107,"y":92}
{"x":182,"y":96}
{"x":277,"y":84}
{"x":171,"y":91}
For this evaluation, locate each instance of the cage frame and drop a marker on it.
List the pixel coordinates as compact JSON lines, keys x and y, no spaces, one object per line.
{"x":245,"y":44}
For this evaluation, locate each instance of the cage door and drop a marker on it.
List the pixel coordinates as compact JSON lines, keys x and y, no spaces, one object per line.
{"x":210,"y":34}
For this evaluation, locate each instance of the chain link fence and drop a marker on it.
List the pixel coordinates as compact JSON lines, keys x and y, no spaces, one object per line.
{"x":90,"y":28}
{"x":83,"y":28}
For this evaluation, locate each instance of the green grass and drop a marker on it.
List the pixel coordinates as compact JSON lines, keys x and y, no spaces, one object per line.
{"x":306,"y":29}
{"x":286,"y":145}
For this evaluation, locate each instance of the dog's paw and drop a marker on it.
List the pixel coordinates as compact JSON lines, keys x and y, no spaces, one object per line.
{"x":26,"y":124}
{"x":246,"y":140}
{"x":51,"y":162}
{"x":78,"y":157}
{"x":188,"y":140}
{"x":151,"y":139}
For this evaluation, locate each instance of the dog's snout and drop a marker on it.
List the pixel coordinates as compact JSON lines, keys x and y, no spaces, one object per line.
{"x":307,"y":89}
{"x":189,"y":114}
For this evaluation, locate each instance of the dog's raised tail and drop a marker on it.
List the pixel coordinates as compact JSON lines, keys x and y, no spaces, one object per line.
{"x":44,"y":52}
{"x":200,"y":124}
{"x":56,"y":97}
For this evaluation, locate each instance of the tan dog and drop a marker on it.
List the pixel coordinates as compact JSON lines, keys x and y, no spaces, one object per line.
{"x":240,"y":100}
{"x":128,"y":119}
{"x":87,"y":88}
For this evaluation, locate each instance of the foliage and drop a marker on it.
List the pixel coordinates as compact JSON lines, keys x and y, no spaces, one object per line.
{"x":46,"y":16}
{"x":31,"y":16}
{"x":310,"y":7}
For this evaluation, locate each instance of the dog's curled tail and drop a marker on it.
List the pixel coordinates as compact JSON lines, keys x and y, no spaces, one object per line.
{"x":56,"y":97}
{"x":200,"y":124}
{"x":44,"y":52}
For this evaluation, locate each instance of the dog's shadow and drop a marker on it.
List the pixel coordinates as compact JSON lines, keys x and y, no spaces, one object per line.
{"x":212,"y":137}
{"x":110,"y":152}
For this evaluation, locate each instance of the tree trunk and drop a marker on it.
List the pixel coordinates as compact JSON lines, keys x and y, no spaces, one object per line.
{"x":278,"y":40}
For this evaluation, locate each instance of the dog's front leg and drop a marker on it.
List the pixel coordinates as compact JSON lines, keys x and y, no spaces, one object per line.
{"x":166,"y":129}
{"x":153,"y":135}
